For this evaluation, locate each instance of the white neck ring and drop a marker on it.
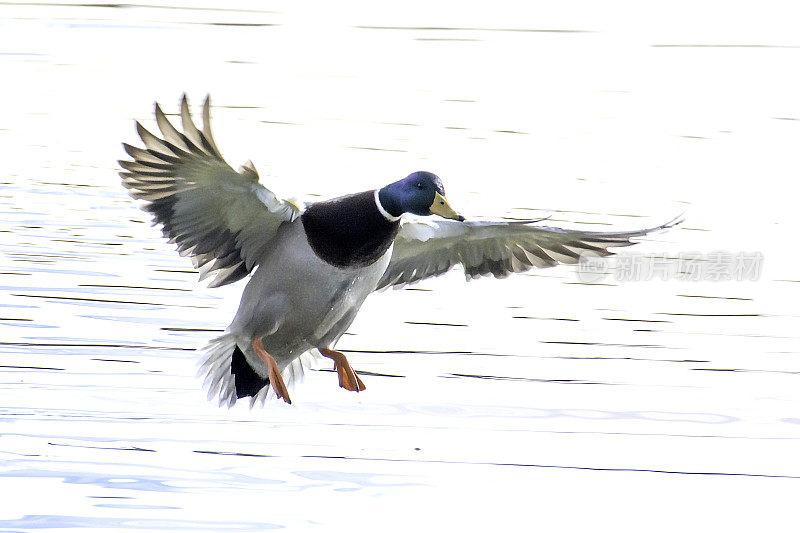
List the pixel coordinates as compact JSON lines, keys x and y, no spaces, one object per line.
{"x":387,"y":215}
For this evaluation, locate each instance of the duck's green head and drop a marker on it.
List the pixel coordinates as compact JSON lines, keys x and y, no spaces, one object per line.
{"x":420,"y":193}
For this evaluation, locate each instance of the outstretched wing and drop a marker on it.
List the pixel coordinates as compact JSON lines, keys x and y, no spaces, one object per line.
{"x":425,"y":248}
{"x":223,"y":219}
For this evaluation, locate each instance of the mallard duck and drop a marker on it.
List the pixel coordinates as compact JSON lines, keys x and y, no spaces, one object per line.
{"x":314,"y":265}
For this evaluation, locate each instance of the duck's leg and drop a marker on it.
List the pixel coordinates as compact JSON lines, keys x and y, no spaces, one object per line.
{"x":273,"y":373}
{"x":348,"y":379}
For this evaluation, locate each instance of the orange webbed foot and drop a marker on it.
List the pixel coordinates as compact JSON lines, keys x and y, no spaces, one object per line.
{"x":275,"y":378}
{"x":348,"y":379}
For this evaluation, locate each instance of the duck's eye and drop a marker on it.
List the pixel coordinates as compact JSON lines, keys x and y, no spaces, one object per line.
{"x":420,"y":186}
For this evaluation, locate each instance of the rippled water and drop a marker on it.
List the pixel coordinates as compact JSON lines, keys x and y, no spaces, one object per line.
{"x":540,"y":401}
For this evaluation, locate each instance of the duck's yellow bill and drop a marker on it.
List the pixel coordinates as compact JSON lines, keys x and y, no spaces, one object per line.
{"x":442,"y":208}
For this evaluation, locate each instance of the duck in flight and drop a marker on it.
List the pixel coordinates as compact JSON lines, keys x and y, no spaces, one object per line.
{"x":313,"y":266}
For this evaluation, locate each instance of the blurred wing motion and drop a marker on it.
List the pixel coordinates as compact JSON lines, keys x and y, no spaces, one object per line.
{"x":429,"y":248}
{"x":223,"y":219}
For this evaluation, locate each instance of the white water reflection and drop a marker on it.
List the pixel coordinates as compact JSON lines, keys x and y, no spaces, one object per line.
{"x":540,"y":400}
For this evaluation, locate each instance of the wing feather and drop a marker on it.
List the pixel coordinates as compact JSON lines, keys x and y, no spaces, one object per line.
{"x":425,"y":248}
{"x":222,"y":219}
{"x":189,"y":129}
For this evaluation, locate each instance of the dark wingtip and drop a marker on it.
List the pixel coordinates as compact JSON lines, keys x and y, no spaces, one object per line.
{"x":140,"y":129}
{"x":129,"y":149}
{"x":680,"y":219}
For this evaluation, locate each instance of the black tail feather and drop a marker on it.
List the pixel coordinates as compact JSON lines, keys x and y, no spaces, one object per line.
{"x":246,"y":380}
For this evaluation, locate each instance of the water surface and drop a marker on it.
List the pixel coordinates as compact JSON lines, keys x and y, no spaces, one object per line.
{"x":538,"y":401}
